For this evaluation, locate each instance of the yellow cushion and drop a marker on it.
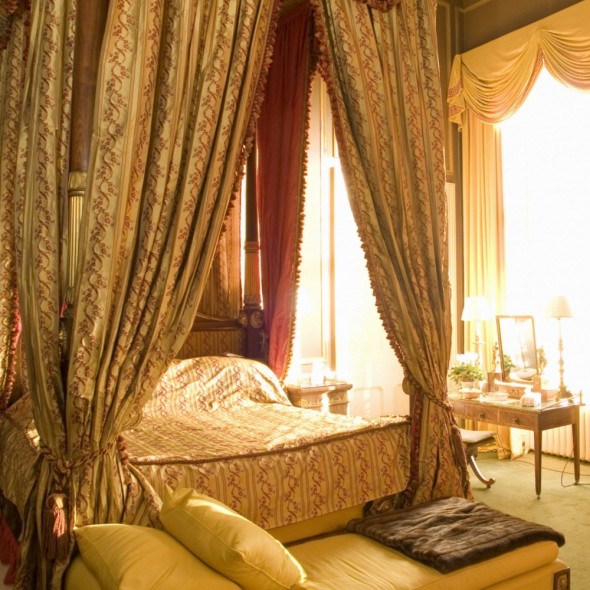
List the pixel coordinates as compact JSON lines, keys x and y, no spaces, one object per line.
{"x":128,"y":557}
{"x":228,"y":542}
{"x":349,"y":560}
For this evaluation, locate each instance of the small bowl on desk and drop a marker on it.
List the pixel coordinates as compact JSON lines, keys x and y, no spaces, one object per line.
{"x":470,"y":393}
{"x":498,"y":396}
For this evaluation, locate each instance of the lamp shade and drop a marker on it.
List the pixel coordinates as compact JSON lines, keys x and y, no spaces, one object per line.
{"x":558,"y":307}
{"x":476,"y":309}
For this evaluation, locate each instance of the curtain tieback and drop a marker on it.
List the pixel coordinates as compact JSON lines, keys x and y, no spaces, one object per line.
{"x":56,"y":533}
{"x":65,"y":466}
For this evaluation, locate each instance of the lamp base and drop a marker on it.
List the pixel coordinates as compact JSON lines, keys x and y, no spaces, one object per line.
{"x":564,"y":393}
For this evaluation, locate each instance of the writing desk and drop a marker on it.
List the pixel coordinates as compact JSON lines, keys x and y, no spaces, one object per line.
{"x":510,"y":413}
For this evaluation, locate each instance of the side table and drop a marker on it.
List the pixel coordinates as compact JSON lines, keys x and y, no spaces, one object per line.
{"x":538,"y":419}
{"x":331,"y":395}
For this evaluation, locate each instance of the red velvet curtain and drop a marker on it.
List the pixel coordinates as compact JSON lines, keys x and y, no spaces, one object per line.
{"x":282,"y":142}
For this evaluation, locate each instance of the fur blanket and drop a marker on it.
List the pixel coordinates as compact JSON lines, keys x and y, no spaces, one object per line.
{"x":451,"y":533}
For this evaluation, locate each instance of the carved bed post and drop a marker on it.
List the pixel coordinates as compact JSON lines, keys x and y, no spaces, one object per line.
{"x":90,"y":26}
{"x":252,"y":316}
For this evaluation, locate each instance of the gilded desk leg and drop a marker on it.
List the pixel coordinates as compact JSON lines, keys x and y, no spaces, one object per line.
{"x":576,"y":443}
{"x":538,"y":438}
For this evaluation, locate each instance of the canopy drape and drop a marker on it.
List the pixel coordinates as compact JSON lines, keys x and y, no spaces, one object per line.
{"x":487,"y":85}
{"x":13,"y":61}
{"x":178,"y":91}
{"x":178,"y":88}
{"x":381,"y":68}
{"x":14,"y":34}
{"x":282,"y":147}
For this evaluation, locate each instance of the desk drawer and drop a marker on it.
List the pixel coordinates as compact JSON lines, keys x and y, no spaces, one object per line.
{"x":516,"y":419}
{"x":481,"y":413}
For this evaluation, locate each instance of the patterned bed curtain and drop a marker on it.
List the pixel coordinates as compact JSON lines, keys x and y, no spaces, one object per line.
{"x":178,"y":89}
{"x":282,"y":146}
{"x":14,"y":34}
{"x":380,"y":63}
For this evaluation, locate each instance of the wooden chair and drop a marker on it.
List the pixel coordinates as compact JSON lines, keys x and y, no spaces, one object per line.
{"x":472,"y":440}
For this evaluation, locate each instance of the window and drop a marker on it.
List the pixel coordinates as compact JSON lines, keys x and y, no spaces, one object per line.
{"x":337,"y":319}
{"x":545,"y":151}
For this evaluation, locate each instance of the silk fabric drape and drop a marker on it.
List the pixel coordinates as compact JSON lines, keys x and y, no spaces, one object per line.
{"x":382,"y":75}
{"x":282,"y":146}
{"x":483,"y":228}
{"x":13,"y":61}
{"x":178,"y":87}
{"x":172,"y":117}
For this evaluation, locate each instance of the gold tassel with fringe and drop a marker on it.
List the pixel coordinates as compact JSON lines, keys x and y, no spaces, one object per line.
{"x":56,"y":536}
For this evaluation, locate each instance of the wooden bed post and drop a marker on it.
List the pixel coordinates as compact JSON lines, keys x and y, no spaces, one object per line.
{"x":90,"y":26}
{"x":252,"y":316}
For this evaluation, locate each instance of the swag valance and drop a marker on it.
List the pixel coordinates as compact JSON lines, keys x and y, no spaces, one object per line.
{"x":493,"y":80}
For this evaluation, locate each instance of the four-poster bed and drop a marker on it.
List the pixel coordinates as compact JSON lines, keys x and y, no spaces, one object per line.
{"x":106,"y":278}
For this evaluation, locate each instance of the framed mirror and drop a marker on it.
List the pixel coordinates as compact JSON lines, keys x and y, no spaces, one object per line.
{"x":517,"y":346}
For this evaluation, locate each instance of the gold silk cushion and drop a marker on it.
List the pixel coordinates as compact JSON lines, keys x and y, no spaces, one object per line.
{"x":129,"y":557}
{"x":229,"y":543}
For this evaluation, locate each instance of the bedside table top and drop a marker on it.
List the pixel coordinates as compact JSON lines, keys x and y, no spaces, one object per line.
{"x":327,"y":385}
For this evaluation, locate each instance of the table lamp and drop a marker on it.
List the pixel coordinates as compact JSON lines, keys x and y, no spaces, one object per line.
{"x":558,"y":308}
{"x":476,"y":309}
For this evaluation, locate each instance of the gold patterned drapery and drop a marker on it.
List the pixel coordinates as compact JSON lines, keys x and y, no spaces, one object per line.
{"x":382,"y":74}
{"x":179,"y":85}
{"x":487,"y":85}
{"x":12,"y":82}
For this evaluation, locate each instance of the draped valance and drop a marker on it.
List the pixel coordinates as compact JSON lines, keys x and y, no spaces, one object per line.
{"x":493,"y":80}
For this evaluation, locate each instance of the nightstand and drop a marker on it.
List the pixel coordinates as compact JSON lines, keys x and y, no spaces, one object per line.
{"x":331,"y":395}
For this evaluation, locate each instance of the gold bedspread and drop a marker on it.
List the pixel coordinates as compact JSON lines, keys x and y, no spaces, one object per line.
{"x":225,"y":427}
{"x":274,"y":464}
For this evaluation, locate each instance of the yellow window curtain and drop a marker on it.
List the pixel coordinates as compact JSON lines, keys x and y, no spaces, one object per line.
{"x":382,"y":74}
{"x":487,"y":85}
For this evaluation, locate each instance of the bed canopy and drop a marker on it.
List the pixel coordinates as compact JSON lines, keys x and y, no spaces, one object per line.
{"x":124,"y":132}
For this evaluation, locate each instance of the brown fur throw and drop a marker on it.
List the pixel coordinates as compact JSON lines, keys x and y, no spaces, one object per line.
{"x":451,"y":533}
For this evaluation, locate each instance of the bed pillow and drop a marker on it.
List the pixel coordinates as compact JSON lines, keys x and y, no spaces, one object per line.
{"x":209,"y":383}
{"x":229,"y":542}
{"x":128,"y":557}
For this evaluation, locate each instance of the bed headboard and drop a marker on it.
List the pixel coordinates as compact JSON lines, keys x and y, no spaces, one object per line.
{"x":212,"y":336}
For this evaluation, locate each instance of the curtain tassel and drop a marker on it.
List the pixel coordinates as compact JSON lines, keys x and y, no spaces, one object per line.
{"x":56,"y":537}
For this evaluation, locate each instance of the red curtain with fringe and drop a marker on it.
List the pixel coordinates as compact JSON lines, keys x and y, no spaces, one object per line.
{"x":8,"y":551}
{"x":282,"y":142}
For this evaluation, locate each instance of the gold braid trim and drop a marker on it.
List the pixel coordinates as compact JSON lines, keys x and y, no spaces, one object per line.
{"x":382,"y":5}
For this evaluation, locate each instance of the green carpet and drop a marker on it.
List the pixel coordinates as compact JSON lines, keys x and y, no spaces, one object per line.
{"x":563,"y":505}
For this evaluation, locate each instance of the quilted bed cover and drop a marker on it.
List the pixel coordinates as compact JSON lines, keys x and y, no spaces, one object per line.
{"x":225,"y":426}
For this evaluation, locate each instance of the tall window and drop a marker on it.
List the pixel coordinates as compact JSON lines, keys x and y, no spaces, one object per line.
{"x":545,"y":155}
{"x":337,"y":319}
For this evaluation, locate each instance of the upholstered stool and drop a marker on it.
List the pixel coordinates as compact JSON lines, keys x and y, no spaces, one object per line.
{"x":472,"y":440}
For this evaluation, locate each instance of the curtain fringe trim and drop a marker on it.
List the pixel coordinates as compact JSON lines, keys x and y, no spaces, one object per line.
{"x":9,"y":551}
